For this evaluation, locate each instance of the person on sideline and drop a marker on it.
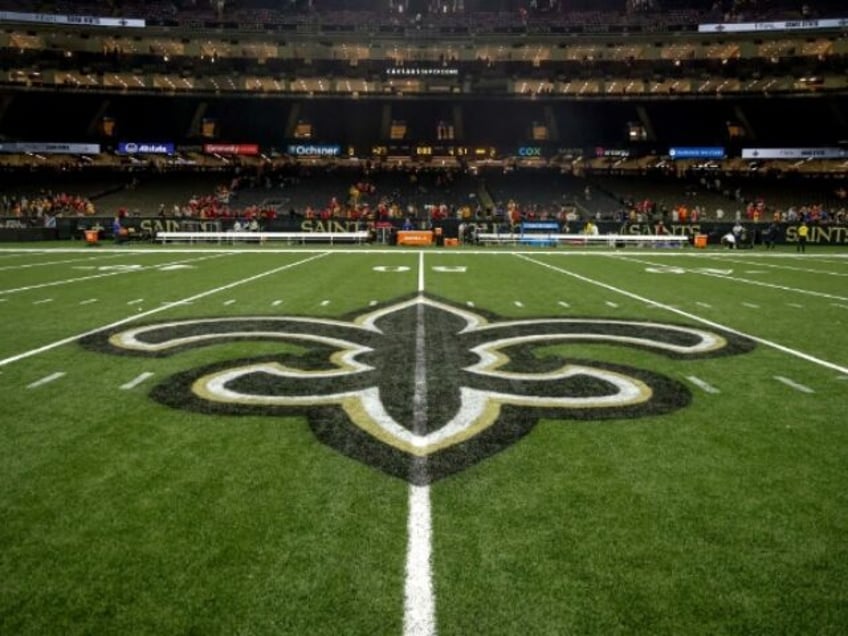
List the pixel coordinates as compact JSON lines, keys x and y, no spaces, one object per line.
{"x":803,"y":232}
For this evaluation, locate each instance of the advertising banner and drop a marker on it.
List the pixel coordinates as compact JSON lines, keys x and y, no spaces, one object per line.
{"x":794,"y":153}
{"x":231,"y":149}
{"x":787,"y":25}
{"x":70,"y":20}
{"x":314,"y":150}
{"x":50,"y":148}
{"x":696,"y":152}
{"x":145,"y":148}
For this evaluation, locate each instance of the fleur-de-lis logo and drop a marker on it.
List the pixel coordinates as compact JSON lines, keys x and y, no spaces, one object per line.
{"x":421,"y":388}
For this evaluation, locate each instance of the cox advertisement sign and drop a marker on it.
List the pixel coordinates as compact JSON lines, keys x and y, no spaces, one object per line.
{"x":529,"y":151}
{"x":231,"y":149}
{"x":145,"y":148}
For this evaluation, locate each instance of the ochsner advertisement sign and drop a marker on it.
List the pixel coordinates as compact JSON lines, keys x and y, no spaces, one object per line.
{"x":231,"y":149}
{"x":145,"y":148}
{"x":314,"y":150}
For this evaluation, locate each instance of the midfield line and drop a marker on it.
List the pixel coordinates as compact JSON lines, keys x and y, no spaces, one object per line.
{"x":150,"y":312}
{"x":419,"y":615}
{"x":690,"y":316}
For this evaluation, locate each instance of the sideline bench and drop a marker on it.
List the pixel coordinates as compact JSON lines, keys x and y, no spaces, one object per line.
{"x":550,"y":240}
{"x":360,"y":236}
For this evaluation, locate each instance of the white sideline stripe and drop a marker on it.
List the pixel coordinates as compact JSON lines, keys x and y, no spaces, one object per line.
{"x":690,"y":316}
{"x":137,"y":380}
{"x":704,"y":386}
{"x":609,"y":303}
{"x":751,"y":305}
{"x":702,"y":304}
{"x":45,"y":380}
{"x":229,"y":302}
{"x":150,"y":312}
{"x":67,"y":281}
{"x":795,"y":385}
{"x":88,"y":302}
{"x":42,"y":301}
{"x":518,"y":303}
{"x":276,"y":302}
{"x":419,"y":616}
{"x":135,"y":302}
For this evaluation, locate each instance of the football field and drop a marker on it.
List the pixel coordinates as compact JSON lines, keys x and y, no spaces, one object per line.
{"x":419,"y":442}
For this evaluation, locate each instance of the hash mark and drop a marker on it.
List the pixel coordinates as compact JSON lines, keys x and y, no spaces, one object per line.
{"x":751,"y":305}
{"x":136,"y":301}
{"x":45,"y":380}
{"x":137,"y":380}
{"x":42,"y":301}
{"x":794,"y":385}
{"x":88,"y":302}
{"x":704,"y":386}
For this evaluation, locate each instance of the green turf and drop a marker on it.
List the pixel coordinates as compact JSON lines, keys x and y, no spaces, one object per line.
{"x":121,"y":515}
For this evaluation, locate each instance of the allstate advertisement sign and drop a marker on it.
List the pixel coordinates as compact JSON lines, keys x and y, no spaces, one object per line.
{"x":145,"y":148}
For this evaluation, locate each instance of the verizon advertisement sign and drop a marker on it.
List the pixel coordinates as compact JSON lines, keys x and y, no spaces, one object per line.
{"x":231,"y":149}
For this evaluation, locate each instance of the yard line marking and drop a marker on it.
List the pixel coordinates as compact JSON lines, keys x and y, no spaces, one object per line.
{"x":173,"y":303}
{"x":137,"y":380}
{"x":751,"y":305}
{"x":88,"y":302}
{"x":276,"y":302}
{"x":690,"y":316}
{"x":786,"y":267}
{"x":136,"y":301}
{"x":703,"y":304}
{"x":793,"y":384}
{"x":150,"y":312}
{"x":68,"y":281}
{"x":704,"y":386}
{"x":562,"y":303}
{"x":70,"y":260}
{"x":229,"y":302}
{"x":42,"y":301}
{"x":747,"y":281}
{"x":45,"y":380}
{"x":419,"y":606}
{"x":518,"y":303}
{"x":609,"y":303}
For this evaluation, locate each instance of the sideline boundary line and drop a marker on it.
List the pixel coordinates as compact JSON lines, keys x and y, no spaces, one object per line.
{"x":150,"y":312}
{"x":706,"y":321}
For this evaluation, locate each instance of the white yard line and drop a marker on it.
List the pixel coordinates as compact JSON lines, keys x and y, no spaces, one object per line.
{"x":45,"y":380}
{"x":70,"y":260}
{"x":784,"y":267}
{"x":736,"y":279}
{"x":794,"y":385}
{"x":701,"y":384}
{"x":419,"y":607}
{"x":690,"y":316}
{"x":68,"y":281}
{"x":137,"y":380}
{"x":150,"y":312}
